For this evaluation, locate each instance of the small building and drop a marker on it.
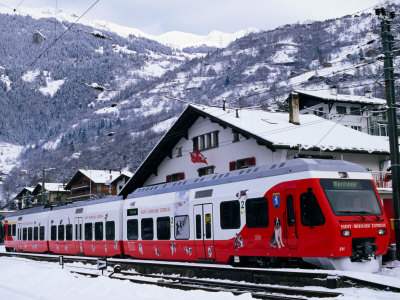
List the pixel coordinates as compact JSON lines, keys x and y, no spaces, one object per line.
{"x":94,"y":184}
{"x":38,"y":37}
{"x":362,"y":113}
{"x":24,"y":197}
{"x":210,"y":140}
{"x":121,"y":180}
{"x":54,"y":193}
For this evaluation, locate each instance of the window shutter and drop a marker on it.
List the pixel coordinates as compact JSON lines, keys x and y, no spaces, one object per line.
{"x":232,"y":166}
{"x":181,"y":176}
{"x":168,"y":178}
{"x":252,"y":161}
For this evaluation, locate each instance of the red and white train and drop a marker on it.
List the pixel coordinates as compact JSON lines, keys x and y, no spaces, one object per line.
{"x":327,"y":213}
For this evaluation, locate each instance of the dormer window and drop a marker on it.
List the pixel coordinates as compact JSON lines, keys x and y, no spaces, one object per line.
{"x":236,"y":137}
{"x":179,"y":152}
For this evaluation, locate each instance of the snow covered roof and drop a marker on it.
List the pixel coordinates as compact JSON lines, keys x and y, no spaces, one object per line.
{"x":24,"y":190}
{"x":313,"y":131}
{"x":326,"y":95}
{"x":50,"y":187}
{"x":268,"y":128}
{"x":123,"y":173}
{"x":100,"y":176}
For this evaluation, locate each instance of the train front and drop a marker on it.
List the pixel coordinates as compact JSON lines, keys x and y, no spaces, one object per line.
{"x":360,"y":229}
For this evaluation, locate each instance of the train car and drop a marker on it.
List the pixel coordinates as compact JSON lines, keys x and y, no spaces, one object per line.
{"x":27,"y":230}
{"x":324,"y":212}
{"x":90,"y":228}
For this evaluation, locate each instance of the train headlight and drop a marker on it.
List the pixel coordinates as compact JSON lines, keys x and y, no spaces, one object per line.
{"x":382,"y":231}
{"x":346,"y":232}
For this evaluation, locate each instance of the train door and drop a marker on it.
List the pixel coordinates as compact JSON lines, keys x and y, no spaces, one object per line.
{"x":19,"y":235}
{"x":291,"y":215}
{"x":78,"y":235}
{"x":204,"y":233}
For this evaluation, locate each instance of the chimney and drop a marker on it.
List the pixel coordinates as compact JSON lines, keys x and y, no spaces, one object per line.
{"x":294,"y":108}
{"x":224,"y":104}
{"x":368,"y":94}
{"x":334,"y":90}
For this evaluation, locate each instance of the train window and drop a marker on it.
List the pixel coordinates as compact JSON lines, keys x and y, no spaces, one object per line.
{"x":132,"y":229}
{"x":230,"y":214}
{"x":61,"y":231}
{"x":24,"y":234}
{"x":35,"y":233}
{"x":30,"y":233}
{"x":290,"y":210}
{"x":41,"y":233}
{"x":163,"y":228}
{"x":311,"y":213}
{"x":257,"y":215}
{"x":53,"y":233}
{"x":13,"y":229}
{"x":68,"y":232}
{"x":198,"y":226}
{"x":110,"y":230}
{"x":88,"y":231}
{"x":208,"y":226}
{"x":98,"y":231}
{"x":147,"y":229}
{"x":182,"y":230}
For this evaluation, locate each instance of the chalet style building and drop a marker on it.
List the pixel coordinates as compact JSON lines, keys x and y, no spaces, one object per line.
{"x":24,"y":196}
{"x":210,"y":140}
{"x":95,"y":184}
{"x":54,"y":193}
{"x":362,"y":113}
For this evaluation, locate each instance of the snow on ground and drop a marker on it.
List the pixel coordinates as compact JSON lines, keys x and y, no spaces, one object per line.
{"x":51,"y":87}
{"x":30,"y":76}
{"x":8,"y":156}
{"x":22,"y":279}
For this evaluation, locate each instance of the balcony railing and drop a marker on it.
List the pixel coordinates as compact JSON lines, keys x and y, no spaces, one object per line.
{"x":382,"y":179}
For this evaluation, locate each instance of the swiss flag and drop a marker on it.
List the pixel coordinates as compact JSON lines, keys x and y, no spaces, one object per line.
{"x":197,"y":157}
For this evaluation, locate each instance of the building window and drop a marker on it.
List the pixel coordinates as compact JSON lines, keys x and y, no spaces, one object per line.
{"x":206,"y":171}
{"x":242,"y":163}
{"x":236,"y":137}
{"x":230,"y":214}
{"x":206,"y":141}
{"x":355,"y":111}
{"x":359,"y":128}
{"x":179,"y":152}
{"x":341,"y":110}
{"x":175,"y":177}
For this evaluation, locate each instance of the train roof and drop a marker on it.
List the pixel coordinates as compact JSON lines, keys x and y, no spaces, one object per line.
{"x":40,"y":209}
{"x":273,"y":169}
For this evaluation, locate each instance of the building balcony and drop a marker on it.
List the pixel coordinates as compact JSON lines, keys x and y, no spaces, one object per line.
{"x":382,"y":179}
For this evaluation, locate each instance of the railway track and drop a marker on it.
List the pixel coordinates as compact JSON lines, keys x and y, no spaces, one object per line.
{"x":261,"y":283}
{"x":257,"y":291}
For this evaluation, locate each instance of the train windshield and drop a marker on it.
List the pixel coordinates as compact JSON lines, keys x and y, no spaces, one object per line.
{"x":351,"y":197}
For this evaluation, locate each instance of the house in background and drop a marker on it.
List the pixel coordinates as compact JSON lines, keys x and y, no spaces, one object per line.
{"x":210,"y":140}
{"x":94,"y":184}
{"x":24,"y":197}
{"x":121,"y":180}
{"x":54,"y":193}
{"x":362,"y":113}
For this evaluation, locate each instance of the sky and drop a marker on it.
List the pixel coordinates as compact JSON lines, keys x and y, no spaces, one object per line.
{"x":202,"y":16}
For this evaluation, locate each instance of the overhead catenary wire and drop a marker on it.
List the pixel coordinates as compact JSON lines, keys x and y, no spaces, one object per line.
{"x":53,"y":43}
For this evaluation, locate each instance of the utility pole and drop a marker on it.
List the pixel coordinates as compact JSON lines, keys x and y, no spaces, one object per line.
{"x":43,"y":200}
{"x":387,"y":41}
